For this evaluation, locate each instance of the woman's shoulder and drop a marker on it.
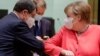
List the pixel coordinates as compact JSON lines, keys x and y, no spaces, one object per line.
{"x":94,"y":26}
{"x":64,"y":29}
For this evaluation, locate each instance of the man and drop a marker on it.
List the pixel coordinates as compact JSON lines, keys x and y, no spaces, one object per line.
{"x":44,"y":23}
{"x":16,"y":38}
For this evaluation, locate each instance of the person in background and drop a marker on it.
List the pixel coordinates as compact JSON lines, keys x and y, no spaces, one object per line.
{"x":16,"y":39}
{"x":78,"y":37}
{"x":45,"y":28}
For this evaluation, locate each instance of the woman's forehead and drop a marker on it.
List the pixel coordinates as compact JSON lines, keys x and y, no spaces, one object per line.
{"x":70,"y":11}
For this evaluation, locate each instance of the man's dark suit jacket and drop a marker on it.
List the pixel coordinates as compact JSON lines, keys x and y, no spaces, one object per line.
{"x":47,"y":26}
{"x":16,"y":38}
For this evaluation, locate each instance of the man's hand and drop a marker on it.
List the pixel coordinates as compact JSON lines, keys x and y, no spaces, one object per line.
{"x":39,"y":38}
{"x":67,"y":53}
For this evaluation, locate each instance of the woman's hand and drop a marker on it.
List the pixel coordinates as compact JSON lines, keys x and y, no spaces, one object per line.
{"x":67,"y":53}
{"x":46,"y":37}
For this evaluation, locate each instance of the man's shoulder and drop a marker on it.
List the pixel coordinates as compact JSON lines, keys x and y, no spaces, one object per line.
{"x":47,"y":19}
{"x":10,"y":19}
{"x":44,"y":19}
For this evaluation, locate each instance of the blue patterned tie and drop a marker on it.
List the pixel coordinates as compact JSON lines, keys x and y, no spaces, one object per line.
{"x":37,"y":30}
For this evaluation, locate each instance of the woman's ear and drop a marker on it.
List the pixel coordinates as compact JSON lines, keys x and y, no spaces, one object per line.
{"x":79,"y":17}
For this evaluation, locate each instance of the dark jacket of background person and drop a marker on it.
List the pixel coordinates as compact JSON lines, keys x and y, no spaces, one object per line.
{"x":47,"y":25}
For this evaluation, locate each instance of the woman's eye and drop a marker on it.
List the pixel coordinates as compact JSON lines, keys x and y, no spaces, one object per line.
{"x":68,"y":16}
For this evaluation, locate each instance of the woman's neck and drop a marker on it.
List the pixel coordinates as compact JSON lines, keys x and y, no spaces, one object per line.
{"x":83,"y":28}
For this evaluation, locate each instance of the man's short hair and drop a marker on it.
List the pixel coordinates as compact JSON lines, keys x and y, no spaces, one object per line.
{"x":24,"y":5}
{"x":40,"y":3}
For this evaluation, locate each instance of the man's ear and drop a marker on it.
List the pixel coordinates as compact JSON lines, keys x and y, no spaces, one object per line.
{"x":25,"y":12}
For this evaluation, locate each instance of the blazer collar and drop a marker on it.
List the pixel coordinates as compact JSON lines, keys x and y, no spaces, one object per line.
{"x":13,"y":14}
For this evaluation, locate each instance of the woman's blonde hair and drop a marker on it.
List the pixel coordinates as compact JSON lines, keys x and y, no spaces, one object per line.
{"x":80,"y":8}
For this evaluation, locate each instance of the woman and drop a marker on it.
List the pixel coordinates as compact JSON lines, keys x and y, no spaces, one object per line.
{"x":77,"y":37}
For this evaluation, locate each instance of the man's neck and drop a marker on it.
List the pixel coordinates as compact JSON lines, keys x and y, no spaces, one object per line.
{"x":18,"y":15}
{"x":30,"y":22}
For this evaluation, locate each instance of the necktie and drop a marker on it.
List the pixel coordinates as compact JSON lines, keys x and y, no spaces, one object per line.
{"x":37,"y":30}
